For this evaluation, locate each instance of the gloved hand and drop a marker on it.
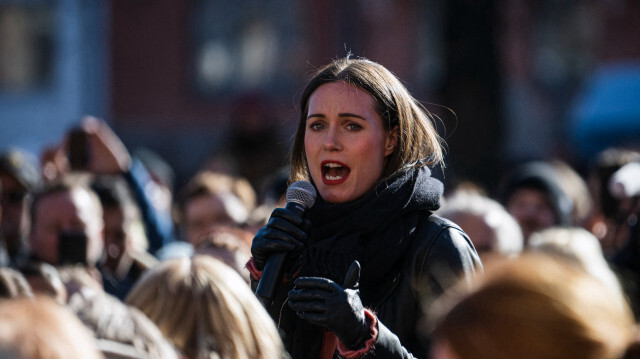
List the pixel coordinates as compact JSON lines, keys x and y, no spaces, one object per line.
{"x":285,"y":232}
{"x":337,"y":308}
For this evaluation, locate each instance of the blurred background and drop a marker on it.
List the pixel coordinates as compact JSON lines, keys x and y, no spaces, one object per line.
{"x":511,"y":80}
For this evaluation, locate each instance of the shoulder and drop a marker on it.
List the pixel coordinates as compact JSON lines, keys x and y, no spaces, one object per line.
{"x":441,"y":248}
{"x":433,"y":230}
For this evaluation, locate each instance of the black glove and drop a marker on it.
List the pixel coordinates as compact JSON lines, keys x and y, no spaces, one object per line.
{"x":337,"y":308}
{"x":285,"y":232}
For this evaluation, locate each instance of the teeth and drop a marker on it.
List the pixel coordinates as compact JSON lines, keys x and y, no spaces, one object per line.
{"x":332,"y":178}
{"x":332,"y":165}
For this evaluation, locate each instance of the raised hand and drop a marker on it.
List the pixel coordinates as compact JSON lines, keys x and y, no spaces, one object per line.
{"x":335,"y":307}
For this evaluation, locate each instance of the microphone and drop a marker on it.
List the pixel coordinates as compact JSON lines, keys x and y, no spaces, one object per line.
{"x":300,"y":196}
{"x":625,"y":182}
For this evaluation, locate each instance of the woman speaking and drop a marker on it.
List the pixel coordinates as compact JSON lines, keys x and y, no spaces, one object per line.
{"x":362,"y":261}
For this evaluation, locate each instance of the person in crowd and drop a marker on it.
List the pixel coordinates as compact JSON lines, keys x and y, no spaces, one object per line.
{"x":366,"y":146}
{"x":491,"y":228}
{"x":533,"y":195}
{"x":615,"y":221}
{"x":92,"y":147}
{"x":206,"y":310}
{"x":535,"y":306}
{"x":19,"y":178}
{"x":125,"y":257}
{"x":578,"y":245}
{"x":67,"y":225}
{"x":609,"y":221}
{"x":213,"y":199}
{"x":120,"y":330}
{"x":231,"y":245}
{"x":40,"y":328}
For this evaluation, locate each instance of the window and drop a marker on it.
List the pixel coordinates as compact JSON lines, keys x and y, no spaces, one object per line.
{"x":26,"y":47}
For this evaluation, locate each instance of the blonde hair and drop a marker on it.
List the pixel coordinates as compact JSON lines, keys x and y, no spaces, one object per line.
{"x":536,"y":306}
{"x":418,"y":141}
{"x":206,"y":309}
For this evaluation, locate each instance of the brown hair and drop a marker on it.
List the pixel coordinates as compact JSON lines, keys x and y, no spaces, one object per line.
{"x":418,"y":142}
{"x":536,"y":306}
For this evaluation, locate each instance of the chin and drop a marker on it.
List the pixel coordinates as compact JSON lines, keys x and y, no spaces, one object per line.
{"x":336,"y":197}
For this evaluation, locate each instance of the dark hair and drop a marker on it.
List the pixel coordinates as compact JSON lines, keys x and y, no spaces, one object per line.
{"x":418,"y":142}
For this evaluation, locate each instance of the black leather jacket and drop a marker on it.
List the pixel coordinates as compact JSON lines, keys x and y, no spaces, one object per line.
{"x":440,"y":254}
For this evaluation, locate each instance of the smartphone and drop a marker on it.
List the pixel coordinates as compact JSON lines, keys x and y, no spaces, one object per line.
{"x":78,"y":151}
{"x":72,"y":248}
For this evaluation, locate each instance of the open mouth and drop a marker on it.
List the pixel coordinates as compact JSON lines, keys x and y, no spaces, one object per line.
{"x":334,"y":171}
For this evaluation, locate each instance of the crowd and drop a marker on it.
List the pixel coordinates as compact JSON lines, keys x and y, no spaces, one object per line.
{"x":103,"y":255}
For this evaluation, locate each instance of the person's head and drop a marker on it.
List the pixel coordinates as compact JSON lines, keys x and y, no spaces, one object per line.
{"x":602,"y":169}
{"x":532,"y":194}
{"x":230,"y":245}
{"x":491,"y":229}
{"x":359,"y":124}
{"x":212,"y":199}
{"x":19,"y":177}
{"x":535,"y":306}
{"x":123,"y":228}
{"x":203,"y":307}
{"x":121,"y":331}
{"x":66,"y":209}
{"x":39,"y":328}
{"x":578,"y":245}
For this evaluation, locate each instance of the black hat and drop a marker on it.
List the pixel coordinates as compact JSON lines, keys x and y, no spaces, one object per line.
{"x":22,"y":166}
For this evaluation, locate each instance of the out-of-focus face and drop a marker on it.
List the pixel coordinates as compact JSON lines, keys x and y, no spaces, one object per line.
{"x":345,"y":142}
{"x":481,"y":234}
{"x":531,"y":209}
{"x":201,"y":216}
{"x":74,"y":211}
{"x":15,"y":210}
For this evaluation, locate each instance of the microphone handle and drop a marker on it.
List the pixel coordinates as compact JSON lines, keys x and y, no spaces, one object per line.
{"x":272,"y":272}
{"x":270,"y":277}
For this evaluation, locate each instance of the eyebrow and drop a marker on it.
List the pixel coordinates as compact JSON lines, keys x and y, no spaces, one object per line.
{"x":342,"y":114}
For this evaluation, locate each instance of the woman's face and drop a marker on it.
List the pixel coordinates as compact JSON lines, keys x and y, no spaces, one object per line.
{"x":345,"y":141}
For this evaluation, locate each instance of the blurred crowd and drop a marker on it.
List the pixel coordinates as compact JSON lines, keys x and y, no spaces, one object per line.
{"x":103,"y":255}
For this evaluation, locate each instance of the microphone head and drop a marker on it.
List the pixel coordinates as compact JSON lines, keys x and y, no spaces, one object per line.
{"x":302,"y":193}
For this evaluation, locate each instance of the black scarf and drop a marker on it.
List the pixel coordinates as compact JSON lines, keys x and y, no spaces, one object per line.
{"x":375,"y":229}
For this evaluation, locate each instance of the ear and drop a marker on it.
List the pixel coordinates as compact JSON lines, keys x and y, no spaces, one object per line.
{"x":391,"y":141}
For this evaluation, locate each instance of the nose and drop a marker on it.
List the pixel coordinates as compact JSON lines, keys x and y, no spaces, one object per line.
{"x":332,"y":140}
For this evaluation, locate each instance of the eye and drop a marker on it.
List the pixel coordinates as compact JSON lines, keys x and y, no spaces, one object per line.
{"x":316,"y":126}
{"x":353,"y":126}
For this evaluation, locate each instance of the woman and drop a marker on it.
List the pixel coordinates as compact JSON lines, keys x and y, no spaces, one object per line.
{"x":536,"y":306}
{"x":365,"y":143}
{"x":206,"y":310}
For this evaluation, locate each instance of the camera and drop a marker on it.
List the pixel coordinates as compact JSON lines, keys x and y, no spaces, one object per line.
{"x":72,"y":248}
